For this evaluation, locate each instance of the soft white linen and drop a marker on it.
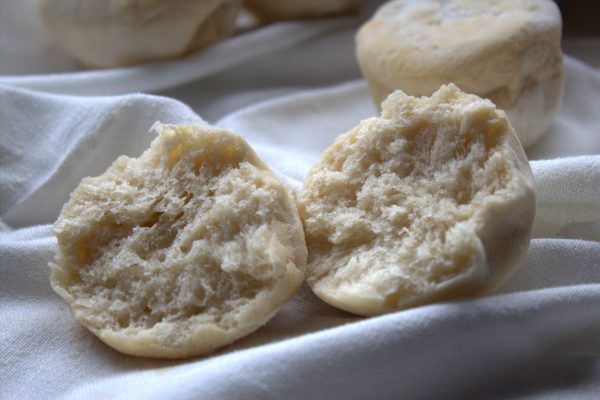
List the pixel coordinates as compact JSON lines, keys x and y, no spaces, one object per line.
{"x":538,"y":336}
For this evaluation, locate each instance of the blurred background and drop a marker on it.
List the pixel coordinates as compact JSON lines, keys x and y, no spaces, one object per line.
{"x":581,"y":29}
{"x":581,"y":18}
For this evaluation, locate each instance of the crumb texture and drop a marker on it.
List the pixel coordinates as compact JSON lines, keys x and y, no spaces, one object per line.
{"x":395,"y":211}
{"x":197,"y":231}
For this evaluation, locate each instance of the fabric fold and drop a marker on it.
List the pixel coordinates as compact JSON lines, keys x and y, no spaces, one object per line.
{"x":568,"y":197}
{"x":476,"y":349}
{"x":50,"y":142}
{"x":536,"y":336}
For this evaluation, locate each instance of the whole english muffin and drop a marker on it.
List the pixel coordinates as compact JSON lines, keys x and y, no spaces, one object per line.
{"x":433,"y":200}
{"x":181,"y":251}
{"x":294,"y":9}
{"x":115,"y":33}
{"x":505,"y":50}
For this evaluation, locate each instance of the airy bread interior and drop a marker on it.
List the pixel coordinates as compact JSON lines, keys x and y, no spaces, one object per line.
{"x":395,"y":211}
{"x":191,"y":233}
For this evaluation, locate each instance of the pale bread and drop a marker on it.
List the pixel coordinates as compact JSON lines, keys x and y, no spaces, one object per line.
{"x":505,"y":50}
{"x":432,"y":201}
{"x":181,"y":251}
{"x":273,"y":10}
{"x":115,"y":33}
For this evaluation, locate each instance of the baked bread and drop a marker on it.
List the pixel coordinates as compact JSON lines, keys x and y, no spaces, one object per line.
{"x":181,"y":251}
{"x":273,"y":10}
{"x":431,"y":201}
{"x":115,"y":33}
{"x":505,"y":50}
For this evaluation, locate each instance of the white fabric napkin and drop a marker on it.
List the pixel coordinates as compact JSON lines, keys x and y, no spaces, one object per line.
{"x":538,"y":336}
{"x":544,"y":321}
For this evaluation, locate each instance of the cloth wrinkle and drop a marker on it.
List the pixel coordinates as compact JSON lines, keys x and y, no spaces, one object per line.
{"x":537,"y":336}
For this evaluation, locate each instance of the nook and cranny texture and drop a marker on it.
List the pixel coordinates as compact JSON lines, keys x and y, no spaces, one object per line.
{"x":432,"y":201}
{"x":181,"y":251}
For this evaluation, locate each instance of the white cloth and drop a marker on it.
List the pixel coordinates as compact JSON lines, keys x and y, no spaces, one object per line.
{"x":538,"y":336}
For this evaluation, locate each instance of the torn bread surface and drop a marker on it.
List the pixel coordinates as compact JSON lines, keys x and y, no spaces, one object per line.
{"x":181,"y":251}
{"x":432,"y":201}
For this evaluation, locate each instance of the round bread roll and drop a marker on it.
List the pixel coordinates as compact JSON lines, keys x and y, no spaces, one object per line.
{"x":432,"y":201}
{"x":191,"y":246}
{"x":115,"y":33}
{"x":273,"y":10}
{"x":507,"y":51}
